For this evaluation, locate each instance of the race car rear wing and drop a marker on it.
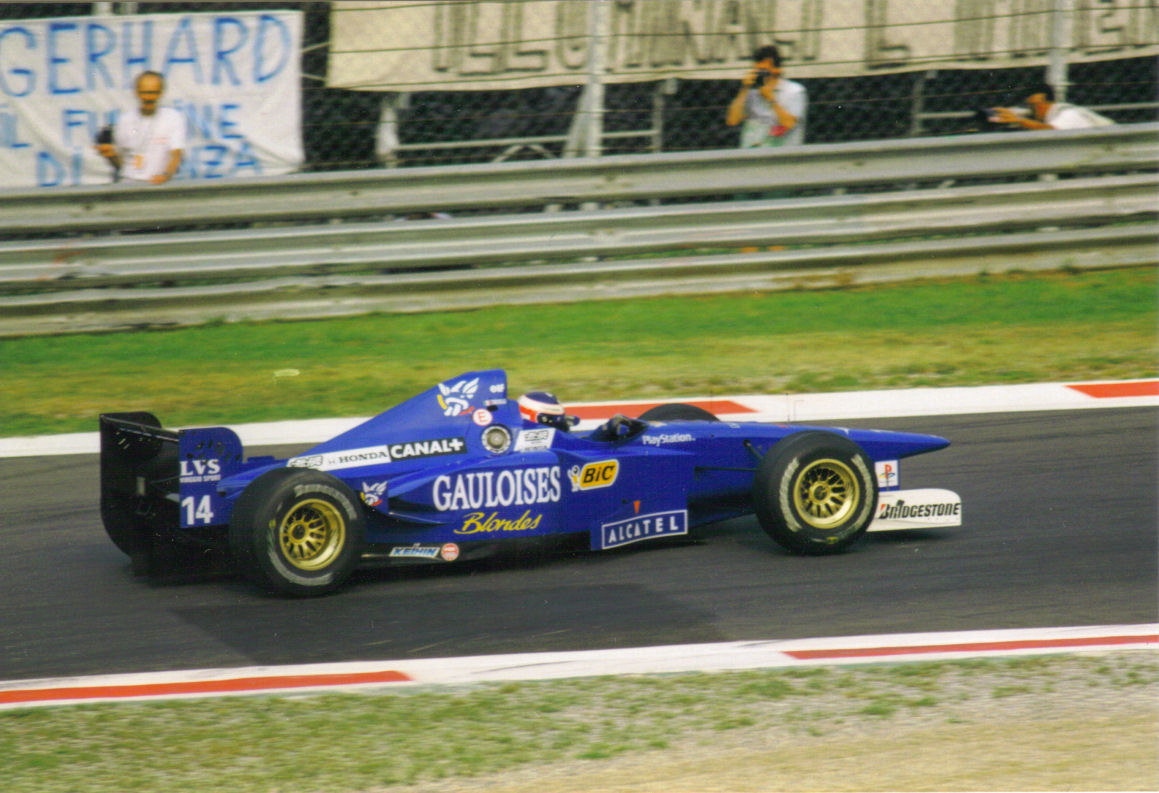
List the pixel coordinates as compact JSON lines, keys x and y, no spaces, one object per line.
{"x":158,"y":480}
{"x":139,"y":474}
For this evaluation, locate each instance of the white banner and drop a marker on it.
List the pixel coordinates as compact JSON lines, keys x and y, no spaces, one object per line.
{"x":236,"y":77}
{"x":487,"y":44}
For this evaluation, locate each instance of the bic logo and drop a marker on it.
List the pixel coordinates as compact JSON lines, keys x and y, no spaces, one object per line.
{"x":594,"y":475}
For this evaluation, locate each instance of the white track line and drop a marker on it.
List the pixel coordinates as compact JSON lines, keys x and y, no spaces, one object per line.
{"x":792,"y":407}
{"x":722,"y":656}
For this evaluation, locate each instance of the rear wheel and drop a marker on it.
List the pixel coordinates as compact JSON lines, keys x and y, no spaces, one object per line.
{"x":297,"y":531}
{"x":677,"y":412}
{"x":814,"y":492}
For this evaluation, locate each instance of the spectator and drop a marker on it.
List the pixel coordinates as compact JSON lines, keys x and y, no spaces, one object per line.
{"x":1045,"y":113}
{"x":771,"y":107}
{"x":148,"y":141}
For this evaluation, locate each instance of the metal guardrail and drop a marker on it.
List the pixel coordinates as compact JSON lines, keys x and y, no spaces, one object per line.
{"x":505,"y":186}
{"x":1101,"y":212}
{"x":345,"y":295}
{"x":509,"y":239}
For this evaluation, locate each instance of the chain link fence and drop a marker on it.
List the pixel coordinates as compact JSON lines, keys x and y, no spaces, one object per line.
{"x":919,"y":69}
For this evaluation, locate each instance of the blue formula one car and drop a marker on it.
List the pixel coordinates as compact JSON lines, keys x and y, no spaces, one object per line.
{"x":460,"y":469}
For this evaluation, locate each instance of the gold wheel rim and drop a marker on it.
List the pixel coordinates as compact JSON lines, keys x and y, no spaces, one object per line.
{"x":312,"y":534}
{"x":826,"y":493}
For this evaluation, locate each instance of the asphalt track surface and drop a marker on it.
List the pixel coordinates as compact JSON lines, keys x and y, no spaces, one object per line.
{"x":1060,"y":517}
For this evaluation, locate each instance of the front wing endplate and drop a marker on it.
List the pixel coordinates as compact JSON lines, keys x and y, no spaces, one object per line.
{"x":928,"y":508}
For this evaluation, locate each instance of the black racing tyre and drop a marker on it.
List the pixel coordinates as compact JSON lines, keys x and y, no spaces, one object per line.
{"x":677,"y":412}
{"x":814,"y":492}
{"x":297,"y":531}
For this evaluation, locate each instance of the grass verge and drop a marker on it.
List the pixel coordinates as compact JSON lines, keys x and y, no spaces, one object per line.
{"x":568,"y":735}
{"x":992,"y":329}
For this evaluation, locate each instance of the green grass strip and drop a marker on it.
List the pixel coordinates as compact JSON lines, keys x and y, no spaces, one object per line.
{"x":993,"y":329}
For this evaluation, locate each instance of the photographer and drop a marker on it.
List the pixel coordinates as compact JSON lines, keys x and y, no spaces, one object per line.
{"x":147,"y":143}
{"x":1045,"y":113}
{"x":770,"y":107}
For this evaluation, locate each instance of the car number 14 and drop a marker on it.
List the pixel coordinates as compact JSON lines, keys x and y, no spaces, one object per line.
{"x":197,"y":509}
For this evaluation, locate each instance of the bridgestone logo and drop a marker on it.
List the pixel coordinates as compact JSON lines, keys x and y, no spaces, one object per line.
{"x":901,"y":511}
{"x":334,"y":493}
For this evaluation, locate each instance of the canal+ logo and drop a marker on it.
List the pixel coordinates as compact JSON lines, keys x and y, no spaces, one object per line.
{"x":594,"y":475}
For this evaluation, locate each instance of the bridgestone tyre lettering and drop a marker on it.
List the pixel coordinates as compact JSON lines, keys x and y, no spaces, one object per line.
{"x":814,"y":492}
{"x":296,"y":531}
{"x":677,"y":412}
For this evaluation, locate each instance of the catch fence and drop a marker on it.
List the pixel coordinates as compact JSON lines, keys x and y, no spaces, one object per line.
{"x":452,"y":81}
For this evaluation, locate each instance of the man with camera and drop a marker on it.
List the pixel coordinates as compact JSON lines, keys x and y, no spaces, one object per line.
{"x":147,"y":143}
{"x":770,"y":107}
{"x":1046,"y":113}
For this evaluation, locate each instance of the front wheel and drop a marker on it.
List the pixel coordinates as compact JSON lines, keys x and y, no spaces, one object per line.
{"x":814,"y":492}
{"x":297,"y":531}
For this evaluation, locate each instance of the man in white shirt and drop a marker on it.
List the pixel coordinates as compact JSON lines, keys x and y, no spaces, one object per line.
{"x":149,"y":140}
{"x":1049,"y":114}
{"x":770,"y":107}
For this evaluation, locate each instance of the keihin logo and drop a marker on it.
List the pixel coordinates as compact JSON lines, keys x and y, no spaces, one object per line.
{"x":415,"y":552}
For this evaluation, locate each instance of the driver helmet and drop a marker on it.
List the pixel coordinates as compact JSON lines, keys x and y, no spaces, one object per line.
{"x":541,"y":407}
